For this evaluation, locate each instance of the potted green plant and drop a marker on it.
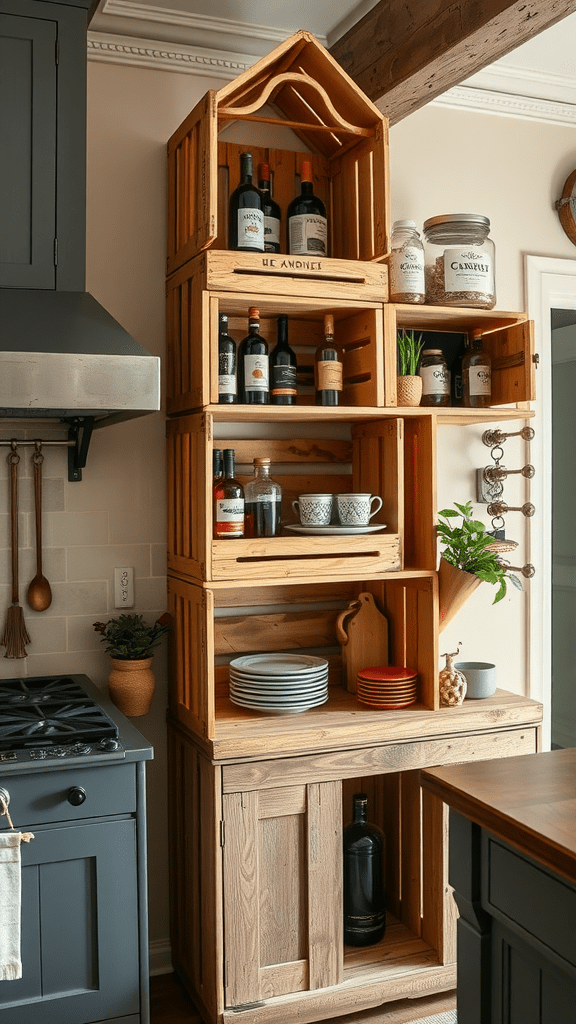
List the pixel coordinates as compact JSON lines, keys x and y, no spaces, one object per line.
{"x":130,"y":642}
{"x":466,"y":561}
{"x":408,"y":380}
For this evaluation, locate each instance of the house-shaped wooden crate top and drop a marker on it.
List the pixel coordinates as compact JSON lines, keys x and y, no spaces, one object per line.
{"x":300,"y":87}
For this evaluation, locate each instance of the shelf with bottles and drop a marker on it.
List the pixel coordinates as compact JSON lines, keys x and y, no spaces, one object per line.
{"x":389,"y":458}
{"x":192,"y":339}
{"x":332,"y":123}
{"x":283,"y":816}
{"x":507,"y":337}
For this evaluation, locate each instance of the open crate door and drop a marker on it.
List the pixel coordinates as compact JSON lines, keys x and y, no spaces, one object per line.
{"x":193,"y":183}
{"x":512,"y":352}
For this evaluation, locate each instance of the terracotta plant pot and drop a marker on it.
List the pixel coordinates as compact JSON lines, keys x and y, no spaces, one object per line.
{"x":409,"y":390}
{"x":131,"y":686}
{"x":455,"y":587}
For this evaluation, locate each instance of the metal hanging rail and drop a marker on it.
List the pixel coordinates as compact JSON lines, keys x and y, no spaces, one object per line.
{"x":78,"y":441}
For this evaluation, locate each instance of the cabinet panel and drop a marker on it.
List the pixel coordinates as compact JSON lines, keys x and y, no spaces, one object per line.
{"x":28,"y":160}
{"x":282,"y":891}
{"x":87,"y":970}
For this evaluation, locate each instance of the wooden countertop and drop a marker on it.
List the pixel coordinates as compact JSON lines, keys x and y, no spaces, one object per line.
{"x":528,"y":801}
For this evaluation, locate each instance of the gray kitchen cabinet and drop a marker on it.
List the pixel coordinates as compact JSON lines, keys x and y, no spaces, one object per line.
{"x":42,"y":144}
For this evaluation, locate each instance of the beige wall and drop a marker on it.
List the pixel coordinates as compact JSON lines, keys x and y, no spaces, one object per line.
{"x":442,"y":161}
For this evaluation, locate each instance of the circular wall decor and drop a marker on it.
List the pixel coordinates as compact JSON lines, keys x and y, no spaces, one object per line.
{"x":566,"y":207}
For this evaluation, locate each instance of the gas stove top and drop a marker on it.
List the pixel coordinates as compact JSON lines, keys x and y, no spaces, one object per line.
{"x":45,"y":717}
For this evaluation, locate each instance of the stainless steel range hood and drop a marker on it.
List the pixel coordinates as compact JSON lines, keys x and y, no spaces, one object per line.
{"x":62,"y":355}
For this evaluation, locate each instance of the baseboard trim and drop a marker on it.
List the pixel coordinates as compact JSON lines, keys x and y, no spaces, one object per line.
{"x":160,"y":957}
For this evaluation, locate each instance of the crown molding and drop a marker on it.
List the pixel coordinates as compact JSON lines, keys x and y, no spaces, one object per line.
{"x":146,"y":53}
{"x":504,"y":90}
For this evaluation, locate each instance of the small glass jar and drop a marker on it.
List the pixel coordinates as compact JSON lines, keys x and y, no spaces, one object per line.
{"x":459,"y":261}
{"x":435,"y":378}
{"x":406,"y":263}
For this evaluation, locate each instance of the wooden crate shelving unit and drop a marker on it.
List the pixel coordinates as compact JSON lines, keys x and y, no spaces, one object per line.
{"x":258,"y":801}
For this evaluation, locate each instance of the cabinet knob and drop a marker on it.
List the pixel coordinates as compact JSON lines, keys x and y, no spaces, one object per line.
{"x":76,"y":796}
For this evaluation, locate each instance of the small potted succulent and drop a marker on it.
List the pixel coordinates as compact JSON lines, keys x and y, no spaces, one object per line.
{"x":408,"y":380}
{"x":466,"y":561}
{"x":130,"y":642}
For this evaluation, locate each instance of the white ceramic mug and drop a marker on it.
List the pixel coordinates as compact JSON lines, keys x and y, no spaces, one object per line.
{"x":314,"y":509}
{"x":356,"y":509}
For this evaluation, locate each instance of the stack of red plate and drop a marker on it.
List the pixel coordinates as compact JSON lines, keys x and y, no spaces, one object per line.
{"x":386,"y":686}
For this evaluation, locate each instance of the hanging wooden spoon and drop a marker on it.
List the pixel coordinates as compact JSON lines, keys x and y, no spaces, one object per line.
{"x":39,"y":592}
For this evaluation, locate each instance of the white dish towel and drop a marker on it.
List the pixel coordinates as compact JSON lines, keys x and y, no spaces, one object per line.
{"x":10,"y":904}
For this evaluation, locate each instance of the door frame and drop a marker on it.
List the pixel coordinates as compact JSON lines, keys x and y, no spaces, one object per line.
{"x":550,"y":284}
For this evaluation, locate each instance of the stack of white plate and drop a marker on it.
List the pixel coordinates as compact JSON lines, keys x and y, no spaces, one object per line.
{"x":281,"y":684}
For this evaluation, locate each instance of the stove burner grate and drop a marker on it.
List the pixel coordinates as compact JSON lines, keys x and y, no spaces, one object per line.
{"x":46,"y":711}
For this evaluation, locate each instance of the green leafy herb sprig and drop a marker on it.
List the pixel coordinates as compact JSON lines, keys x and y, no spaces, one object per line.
{"x":468,"y":548}
{"x":129,"y":638}
{"x":409,"y":349}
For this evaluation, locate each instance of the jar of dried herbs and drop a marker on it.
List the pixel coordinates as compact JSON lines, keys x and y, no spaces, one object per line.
{"x":459,"y":261}
{"x":406,"y":263}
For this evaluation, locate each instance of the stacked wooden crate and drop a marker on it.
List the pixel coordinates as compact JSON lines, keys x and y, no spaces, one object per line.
{"x":258,"y":801}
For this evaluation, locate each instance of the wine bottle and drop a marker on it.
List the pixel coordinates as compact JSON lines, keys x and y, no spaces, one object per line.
{"x":364,"y":853}
{"x":263,"y":502}
{"x":217,"y":465}
{"x":271,"y":211}
{"x":228,"y":502}
{"x":246,"y":213}
{"x":227,"y":372}
{"x":327,"y":367}
{"x":307,"y":224}
{"x":282,"y":367}
{"x":477,"y":374}
{"x":253,"y":363}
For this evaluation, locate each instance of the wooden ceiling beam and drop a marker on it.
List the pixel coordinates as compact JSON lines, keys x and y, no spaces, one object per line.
{"x":404,"y":54}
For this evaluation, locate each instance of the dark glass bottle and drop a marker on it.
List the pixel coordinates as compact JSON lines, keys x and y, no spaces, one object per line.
{"x":307,"y":224}
{"x":328,"y":367}
{"x":263,"y":502}
{"x":282,"y":368}
{"x":477,"y":374}
{"x":227,"y":369}
{"x":364,"y":897}
{"x":271,"y":211}
{"x":456,"y":381}
{"x":228,"y":502}
{"x":435,"y":378}
{"x":246,"y":213}
{"x":253,"y":387}
{"x":217,"y":465}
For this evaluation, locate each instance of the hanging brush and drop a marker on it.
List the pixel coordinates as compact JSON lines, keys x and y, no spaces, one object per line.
{"x":15,"y":634}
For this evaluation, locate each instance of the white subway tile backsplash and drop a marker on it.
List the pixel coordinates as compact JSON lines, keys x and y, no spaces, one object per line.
{"x":98,"y":563}
{"x":75,"y":528}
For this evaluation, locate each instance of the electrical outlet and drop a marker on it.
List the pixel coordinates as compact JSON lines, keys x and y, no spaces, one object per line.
{"x":123,"y":588}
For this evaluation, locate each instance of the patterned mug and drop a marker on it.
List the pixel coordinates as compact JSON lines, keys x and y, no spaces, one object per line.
{"x":356,"y":509}
{"x":314,"y":509}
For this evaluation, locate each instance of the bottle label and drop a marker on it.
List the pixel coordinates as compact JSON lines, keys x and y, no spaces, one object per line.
{"x":407,"y":270}
{"x":468,"y":270}
{"x":329,"y":375}
{"x":283,"y":380}
{"x":480,"y":380}
{"x":226,"y":375}
{"x":308,"y":234}
{"x":435,"y":380}
{"x":230,"y":517}
{"x":271,"y":234}
{"x":256,"y":373}
{"x":251,"y":230}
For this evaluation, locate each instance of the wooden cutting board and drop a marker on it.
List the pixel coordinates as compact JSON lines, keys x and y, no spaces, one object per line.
{"x":362,"y":631}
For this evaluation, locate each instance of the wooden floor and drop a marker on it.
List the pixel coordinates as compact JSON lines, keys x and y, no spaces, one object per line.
{"x":170,"y":1004}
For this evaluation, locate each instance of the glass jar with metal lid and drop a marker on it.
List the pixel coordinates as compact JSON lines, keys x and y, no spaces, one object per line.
{"x":435,"y":378}
{"x":459,"y":261}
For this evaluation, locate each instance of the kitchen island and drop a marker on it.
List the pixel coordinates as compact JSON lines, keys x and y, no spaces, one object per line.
{"x":513,"y":868}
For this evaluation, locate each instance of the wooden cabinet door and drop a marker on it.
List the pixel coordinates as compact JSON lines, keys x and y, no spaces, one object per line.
{"x":28,"y":152}
{"x":282,"y":891}
{"x":79,"y":935}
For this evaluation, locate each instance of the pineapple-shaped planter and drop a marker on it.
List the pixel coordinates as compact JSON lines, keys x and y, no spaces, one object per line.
{"x":452,"y":683}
